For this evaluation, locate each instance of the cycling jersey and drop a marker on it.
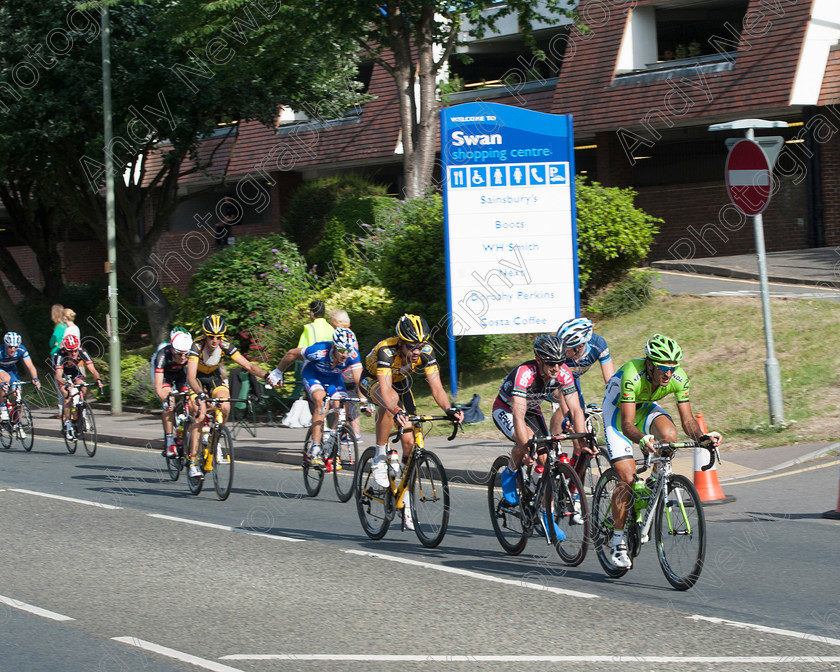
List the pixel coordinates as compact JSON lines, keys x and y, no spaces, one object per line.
{"x":174,"y":374}
{"x":9,"y":362}
{"x":317,"y":358}
{"x":596,"y":351}
{"x":635,"y":385}
{"x":385,"y":358}
{"x":525,"y":381}
{"x":209,"y":362}
{"x":69,"y":362}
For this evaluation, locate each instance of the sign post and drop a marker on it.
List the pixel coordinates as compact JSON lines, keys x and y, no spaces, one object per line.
{"x":749,"y":181}
{"x":509,"y":213}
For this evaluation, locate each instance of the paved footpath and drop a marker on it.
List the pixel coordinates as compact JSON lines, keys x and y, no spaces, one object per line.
{"x":465,"y":458}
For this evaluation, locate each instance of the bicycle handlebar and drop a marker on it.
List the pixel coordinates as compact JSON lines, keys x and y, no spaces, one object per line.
{"x":428,"y":418}
{"x":672,"y":446}
{"x":543,"y":440}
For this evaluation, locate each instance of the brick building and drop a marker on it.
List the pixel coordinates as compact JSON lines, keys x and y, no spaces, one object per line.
{"x":643,"y":84}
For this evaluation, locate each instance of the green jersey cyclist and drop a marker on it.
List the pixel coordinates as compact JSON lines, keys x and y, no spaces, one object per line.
{"x":631,"y":415}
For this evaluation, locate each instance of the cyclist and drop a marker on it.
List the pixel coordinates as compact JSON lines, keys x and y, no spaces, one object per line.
{"x":323,"y":376}
{"x":205,"y":379}
{"x":68,"y":372}
{"x":631,"y":415}
{"x":170,"y":373}
{"x":517,"y":413}
{"x":386,"y":379}
{"x":583,"y":349}
{"x":13,"y":352}
{"x":161,"y":346}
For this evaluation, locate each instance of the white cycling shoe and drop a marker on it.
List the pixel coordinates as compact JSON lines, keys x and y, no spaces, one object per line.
{"x":619,"y":556}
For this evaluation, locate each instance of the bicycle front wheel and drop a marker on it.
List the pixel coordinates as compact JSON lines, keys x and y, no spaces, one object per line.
{"x":591,"y":473}
{"x":680,"y":533}
{"x":373,"y":502}
{"x":508,"y":519}
{"x":313,"y":477}
{"x":222,"y":463}
{"x":601,"y":524}
{"x":196,"y":483}
{"x":429,"y":490}
{"x":571,"y":514}
{"x":86,"y":428}
{"x":6,"y":434}
{"x":345,"y":455}
{"x":69,"y":443}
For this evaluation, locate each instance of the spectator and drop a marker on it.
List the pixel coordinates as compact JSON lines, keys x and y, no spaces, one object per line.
{"x":57,"y":314}
{"x":340,"y":318}
{"x":69,"y":317}
{"x":314,"y":332}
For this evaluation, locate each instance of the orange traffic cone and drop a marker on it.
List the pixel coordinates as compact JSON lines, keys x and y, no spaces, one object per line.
{"x":833,"y":515}
{"x":706,"y":482}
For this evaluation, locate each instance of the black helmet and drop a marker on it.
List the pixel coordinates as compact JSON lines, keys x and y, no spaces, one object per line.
{"x":549,"y":349}
{"x":214,"y":325}
{"x":413,"y":328}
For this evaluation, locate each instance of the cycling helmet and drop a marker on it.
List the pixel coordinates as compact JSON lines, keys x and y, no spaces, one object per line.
{"x":71,"y":342}
{"x":214,"y":325}
{"x":12,"y":339}
{"x":344,"y":339}
{"x":575,"y":332}
{"x":177,"y":330}
{"x":662,"y":349}
{"x":413,"y":328}
{"x":181,"y":342}
{"x":549,"y":349}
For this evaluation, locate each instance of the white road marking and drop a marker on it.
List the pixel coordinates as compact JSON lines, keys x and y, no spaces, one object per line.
{"x":764,"y":628}
{"x":23,"y":606}
{"x":177,"y":655}
{"x":226,"y":528}
{"x":473,"y":575}
{"x":99,"y":505}
{"x":408,"y":658}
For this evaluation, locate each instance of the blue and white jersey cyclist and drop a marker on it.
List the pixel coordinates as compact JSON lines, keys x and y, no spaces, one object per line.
{"x":14,"y":352}
{"x":323,"y":376}
{"x":631,"y":415}
{"x":584,"y":349}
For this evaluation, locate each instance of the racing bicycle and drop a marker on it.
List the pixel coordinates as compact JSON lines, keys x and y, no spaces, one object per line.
{"x":215,"y":453}
{"x":181,"y":434}
{"x":421,"y":485}
{"x":81,"y":419}
{"x":671,"y":506}
{"x":556,"y":490}
{"x":18,"y":425}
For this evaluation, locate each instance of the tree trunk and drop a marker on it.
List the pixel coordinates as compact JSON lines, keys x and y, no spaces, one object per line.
{"x":13,"y":322}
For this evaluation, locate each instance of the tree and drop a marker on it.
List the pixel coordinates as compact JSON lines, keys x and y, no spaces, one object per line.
{"x":413,"y":40}
{"x":179,"y":71}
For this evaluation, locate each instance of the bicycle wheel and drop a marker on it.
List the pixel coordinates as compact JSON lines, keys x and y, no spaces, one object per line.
{"x":508,"y":519}
{"x":70,"y":443}
{"x":601,"y":523}
{"x":222,"y":449}
{"x":373,"y":502}
{"x":571,"y":514}
{"x":6,"y":434}
{"x":429,"y":490}
{"x":86,"y":428}
{"x":345,"y":449}
{"x":680,"y":533}
{"x":595,"y":467}
{"x":24,"y":428}
{"x":196,"y":483}
{"x":313,"y":477}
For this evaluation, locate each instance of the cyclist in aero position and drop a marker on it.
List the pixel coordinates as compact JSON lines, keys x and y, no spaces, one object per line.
{"x":631,"y":415}
{"x":517,"y":412}
{"x":67,"y":361}
{"x":205,"y":380}
{"x":170,"y":375}
{"x":323,"y":375}
{"x":13,"y":352}
{"x":386,"y":379}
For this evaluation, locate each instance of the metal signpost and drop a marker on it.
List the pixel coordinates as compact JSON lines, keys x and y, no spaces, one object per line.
{"x":509,"y":209}
{"x":749,"y":181}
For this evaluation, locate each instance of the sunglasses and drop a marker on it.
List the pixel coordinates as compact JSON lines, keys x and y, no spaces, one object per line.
{"x":414,"y":347}
{"x":343,"y":351}
{"x":665,"y":369}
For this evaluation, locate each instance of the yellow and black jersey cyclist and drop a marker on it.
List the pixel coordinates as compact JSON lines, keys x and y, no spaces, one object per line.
{"x":386,"y":379}
{"x":205,"y":379}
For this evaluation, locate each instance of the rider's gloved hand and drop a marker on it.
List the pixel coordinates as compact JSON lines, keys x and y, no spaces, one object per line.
{"x":275,"y":378}
{"x":715,"y":437}
{"x":401,"y":417}
{"x":452,"y":412}
{"x":646,"y":443}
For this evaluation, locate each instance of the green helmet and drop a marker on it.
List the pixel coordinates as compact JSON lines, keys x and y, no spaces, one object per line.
{"x":662,"y":349}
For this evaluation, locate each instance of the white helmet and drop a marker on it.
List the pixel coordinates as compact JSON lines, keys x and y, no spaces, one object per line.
{"x":182,"y":342}
{"x":12,"y":339}
{"x":574,"y":332}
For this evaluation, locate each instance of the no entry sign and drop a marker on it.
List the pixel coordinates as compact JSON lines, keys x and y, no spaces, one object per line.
{"x":748,"y":177}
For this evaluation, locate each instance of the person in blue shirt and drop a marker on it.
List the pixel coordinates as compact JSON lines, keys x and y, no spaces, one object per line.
{"x":13,"y":352}
{"x":583,"y":349}
{"x":323,"y":375}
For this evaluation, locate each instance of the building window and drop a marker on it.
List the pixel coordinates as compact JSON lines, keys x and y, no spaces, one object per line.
{"x":681,"y":32}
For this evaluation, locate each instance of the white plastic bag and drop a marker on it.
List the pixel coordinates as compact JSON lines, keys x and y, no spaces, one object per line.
{"x":298,"y":415}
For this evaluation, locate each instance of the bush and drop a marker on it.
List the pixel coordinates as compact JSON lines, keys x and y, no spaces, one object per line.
{"x":135,"y":377}
{"x":367,"y":308}
{"x":612,"y":234}
{"x":259,"y":285}
{"x":632,"y":293}
{"x":311,"y":206}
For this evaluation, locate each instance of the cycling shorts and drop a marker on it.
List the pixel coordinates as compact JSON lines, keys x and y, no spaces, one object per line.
{"x":177,"y":380}
{"x":370,"y":388}
{"x":211,"y":383}
{"x":503,"y":417}
{"x":13,"y":376}
{"x":331,"y":383}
